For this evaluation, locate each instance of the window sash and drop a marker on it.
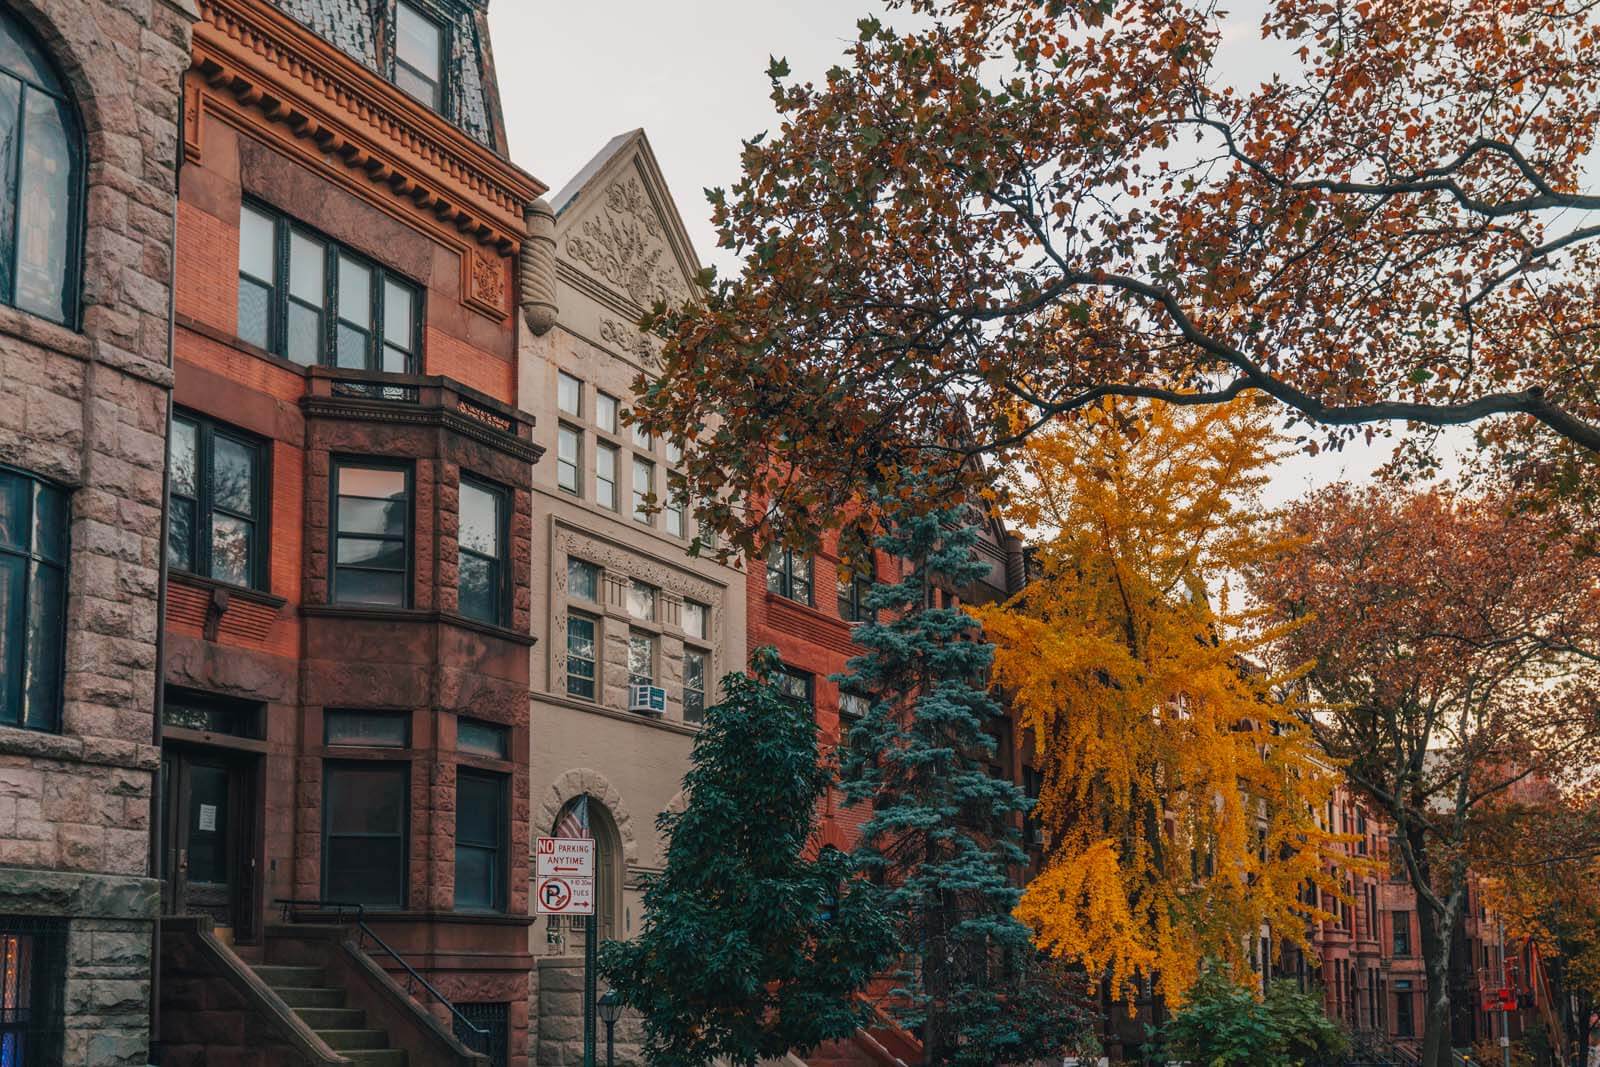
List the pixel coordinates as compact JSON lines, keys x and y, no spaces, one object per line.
{"x":789,"y":576}
{"x":694,"y":695}
{"x":202,"y":508}
{"x":644,"y":478}
{"x":433,"y":84}
{"x":56,"y":292}
{"x":581,"y":682}
{"x":33,"y":573}
{"x":569,"y":458}
{"x":383,"y":341}
{"x":499,"y":611}
{"x":340,"y":538}
{"x":641,"y":659}
{"x":485,"y":841}
{"x":341,"y":847}
{"x":606,"y":458}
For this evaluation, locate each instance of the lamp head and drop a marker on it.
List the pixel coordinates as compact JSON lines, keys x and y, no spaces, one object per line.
{"x":609,"y":1006}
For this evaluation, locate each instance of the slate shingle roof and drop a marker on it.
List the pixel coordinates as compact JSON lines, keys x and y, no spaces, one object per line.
{"x":351,"y":26}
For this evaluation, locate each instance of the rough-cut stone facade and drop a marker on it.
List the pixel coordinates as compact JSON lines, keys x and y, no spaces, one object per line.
{"x":87,"y":408}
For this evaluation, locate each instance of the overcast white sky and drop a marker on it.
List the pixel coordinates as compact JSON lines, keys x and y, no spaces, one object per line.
{"x":693,"y":74}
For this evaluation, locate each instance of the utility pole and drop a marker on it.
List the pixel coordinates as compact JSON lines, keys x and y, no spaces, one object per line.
{"x":1505,"y":1015}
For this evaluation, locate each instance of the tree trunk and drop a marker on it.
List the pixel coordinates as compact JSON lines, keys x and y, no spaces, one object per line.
{"x":1435,"y":927}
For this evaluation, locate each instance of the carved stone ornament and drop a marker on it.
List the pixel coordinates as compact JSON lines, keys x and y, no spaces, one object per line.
{"x":625,"y":245}
{"x":629,"y":340}
{"x":486,"y":280}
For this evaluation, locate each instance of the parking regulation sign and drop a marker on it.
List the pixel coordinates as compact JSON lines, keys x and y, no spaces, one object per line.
{"x":563,"y":876}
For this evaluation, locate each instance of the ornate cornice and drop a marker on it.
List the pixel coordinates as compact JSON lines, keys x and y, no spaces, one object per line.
{"x":271,"y":64}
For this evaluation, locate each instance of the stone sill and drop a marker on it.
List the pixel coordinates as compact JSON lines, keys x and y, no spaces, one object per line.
{"x":96,"y":751}
{"x":637,"y":718}
{"x":415,"y":615}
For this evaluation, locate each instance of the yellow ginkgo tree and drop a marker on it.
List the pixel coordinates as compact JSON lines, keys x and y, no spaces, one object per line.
{"x":1180,"y":780}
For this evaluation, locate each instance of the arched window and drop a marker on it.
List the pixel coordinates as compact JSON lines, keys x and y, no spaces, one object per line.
{"x":599,"y":824}
{"x":41,"y":181}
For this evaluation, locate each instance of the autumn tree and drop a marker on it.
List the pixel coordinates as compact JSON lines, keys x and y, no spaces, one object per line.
{"x":942,"y":832}
{"x":1540,"y":865}
{"x":1020,"y":207}
{"x":1178,"y":786}
{"x":1455,"y":644}
{"x":753,"y":944}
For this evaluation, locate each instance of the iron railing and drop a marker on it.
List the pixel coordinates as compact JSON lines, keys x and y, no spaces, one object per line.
{"x":340,"y":912}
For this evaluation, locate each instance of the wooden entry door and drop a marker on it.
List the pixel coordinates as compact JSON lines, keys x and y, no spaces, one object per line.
{"x":207,"y":865}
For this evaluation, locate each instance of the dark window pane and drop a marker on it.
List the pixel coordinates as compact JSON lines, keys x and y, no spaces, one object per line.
{"x":352,"y":348}
{"x":366,"y":516}
{"x":47,"y":602}
{"x":396,"y":361}
{"x":14,"y":521}
{"x":379,"y":483}
{"x":233,"y":475}
{"x":13,"y":624}
{"x":257,"y":244}
{"x":10,"y":116}
{"x":371,"y":587}
{"x":475,"y":877}
{"x":46,"y":209}
{"x":185,"y":457}
{"x":20,"y":55}
{"x":304,"y":341}
{"x":398,"y":319}
{"x":366,"y":870}
{"x":483,"y":738}
{"x":580,"y":657}
{"x":366,"y":799}
{"x":369,"y":729}
{"x":255,"y":313}
{"x":583,"y":579}
{"x":230,"y":549}
{"x":479,"y":799}
{"x":307,"y":258}
{"x":380,"y":554}
{"x":480,"y":519}
{"x":479,"y":597}
{"x":208,"y":825}
{"x":355,"y":293}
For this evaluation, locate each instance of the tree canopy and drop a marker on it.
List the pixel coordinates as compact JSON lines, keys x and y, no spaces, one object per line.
{"x":1454,"y":643}
{"x":753,"y":943}
{"x":1023,"y":206}
{"x":1179,"y":782}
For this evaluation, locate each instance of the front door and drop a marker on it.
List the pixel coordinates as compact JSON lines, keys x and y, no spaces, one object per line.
{"x":206,"y":863}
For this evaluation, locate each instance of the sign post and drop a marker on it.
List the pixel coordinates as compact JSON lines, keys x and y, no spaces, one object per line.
{"x":563,"y":884}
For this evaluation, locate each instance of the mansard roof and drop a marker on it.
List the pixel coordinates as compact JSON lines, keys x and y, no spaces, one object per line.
{"x":353,"y":26}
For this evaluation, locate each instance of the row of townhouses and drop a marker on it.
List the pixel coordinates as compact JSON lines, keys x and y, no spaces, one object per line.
{"x":329,"y":575}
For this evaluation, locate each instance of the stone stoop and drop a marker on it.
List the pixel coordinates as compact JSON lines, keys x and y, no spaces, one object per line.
{"x":321,"y":1005}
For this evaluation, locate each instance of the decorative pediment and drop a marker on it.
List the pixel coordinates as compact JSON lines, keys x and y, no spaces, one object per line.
{"x":619,"y":231}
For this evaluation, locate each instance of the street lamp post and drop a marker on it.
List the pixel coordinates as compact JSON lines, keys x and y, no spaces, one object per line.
{"x":610,"y":1006}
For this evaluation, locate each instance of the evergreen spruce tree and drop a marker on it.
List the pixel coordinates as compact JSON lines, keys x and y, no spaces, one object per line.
{"x":941,"y":837}
{"x":750,"y":947}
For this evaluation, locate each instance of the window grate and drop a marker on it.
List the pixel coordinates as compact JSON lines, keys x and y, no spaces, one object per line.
{"x":493,"y":1020}
{"x":32,"y":952}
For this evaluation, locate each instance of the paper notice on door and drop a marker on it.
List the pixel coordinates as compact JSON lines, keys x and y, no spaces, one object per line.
{"x":208,"y":817}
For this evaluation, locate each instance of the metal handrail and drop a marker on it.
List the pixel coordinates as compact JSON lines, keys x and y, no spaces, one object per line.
{"x":340,"y":909}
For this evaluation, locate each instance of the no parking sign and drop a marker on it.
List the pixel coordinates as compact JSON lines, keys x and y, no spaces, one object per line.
{"x":563,"y":876}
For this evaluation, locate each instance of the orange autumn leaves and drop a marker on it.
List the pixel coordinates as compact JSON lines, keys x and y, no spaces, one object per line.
{"x":1179,"y":783}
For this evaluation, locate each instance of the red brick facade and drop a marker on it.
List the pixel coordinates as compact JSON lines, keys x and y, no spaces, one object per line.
{"x":285,"y":122}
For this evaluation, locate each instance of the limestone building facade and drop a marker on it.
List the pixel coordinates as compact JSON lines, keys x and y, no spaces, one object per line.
{"x":89,"y":129}
{"x":621,"y":602}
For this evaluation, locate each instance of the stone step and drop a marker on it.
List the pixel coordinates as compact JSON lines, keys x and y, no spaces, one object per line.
{"x":355,"y":1039}
{"x":311,"y":996}
{"x":376,"y":1057}
{"x":333,"y":1018}
{"x":276,"y":975}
